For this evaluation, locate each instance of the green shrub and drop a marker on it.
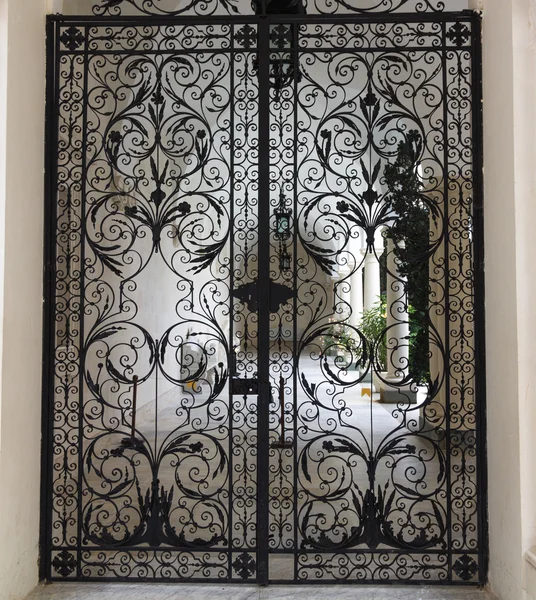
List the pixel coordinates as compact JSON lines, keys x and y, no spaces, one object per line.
{"x":372,"y":326}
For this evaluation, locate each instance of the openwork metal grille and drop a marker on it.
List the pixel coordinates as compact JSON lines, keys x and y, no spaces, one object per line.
{"x":264,"y":285}
{"x":235,"y":7}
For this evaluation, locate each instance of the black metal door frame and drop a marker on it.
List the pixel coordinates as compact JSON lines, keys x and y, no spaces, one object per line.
{"x":264,"y":385}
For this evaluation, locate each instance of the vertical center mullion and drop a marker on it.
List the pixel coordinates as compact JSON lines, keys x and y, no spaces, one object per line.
{"x":263,"y":288}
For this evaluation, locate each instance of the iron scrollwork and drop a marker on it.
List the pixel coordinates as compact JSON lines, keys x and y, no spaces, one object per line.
{"x":235,"y":7}
{"x":372,"y":466}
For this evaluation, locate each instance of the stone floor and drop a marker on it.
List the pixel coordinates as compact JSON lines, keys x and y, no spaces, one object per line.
{"x":86,"y":591}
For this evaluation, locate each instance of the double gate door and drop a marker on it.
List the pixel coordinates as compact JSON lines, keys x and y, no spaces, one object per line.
{"x":263,"y":298}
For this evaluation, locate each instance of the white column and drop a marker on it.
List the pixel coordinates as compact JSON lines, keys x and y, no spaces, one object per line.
{"x":356,"y":283}
{"x":397,"y":319}
{"x":371,"y":293}
{"x":356,"y":296}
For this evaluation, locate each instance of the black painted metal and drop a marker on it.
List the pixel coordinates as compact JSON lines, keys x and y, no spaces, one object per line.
{"x":48,"y":306}
{"x":266,"y":7}
{"x":480,"y":321}
{"x":215,"y":182}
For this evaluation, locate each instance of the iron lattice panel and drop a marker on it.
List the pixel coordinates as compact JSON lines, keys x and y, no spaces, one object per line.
{"x":244,"y":7}
{"x":204,"y":412}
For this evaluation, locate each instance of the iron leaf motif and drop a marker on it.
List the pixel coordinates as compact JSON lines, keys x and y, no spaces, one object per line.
{"x":160,"y":248}
{"x":246,"y":36}
{"x":465,"y":567}
{"x":72,"y":38}
{"x":245,"y":565}
{"x":64,"y":563}
{"x":459,"y":34}
{"x":158,"y":7}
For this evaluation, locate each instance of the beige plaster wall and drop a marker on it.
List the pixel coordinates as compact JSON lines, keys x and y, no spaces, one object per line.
{"x":509,"y":168}
{"x":21,"y":242}
{"x":525,"y":190}
{"x":502,"y":337}
{"x":3,"y":124}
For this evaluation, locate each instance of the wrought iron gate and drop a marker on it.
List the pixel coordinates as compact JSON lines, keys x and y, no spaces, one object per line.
{"x":264,"y":293}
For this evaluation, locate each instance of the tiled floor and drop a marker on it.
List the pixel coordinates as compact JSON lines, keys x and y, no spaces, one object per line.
{"x":217,"y":592}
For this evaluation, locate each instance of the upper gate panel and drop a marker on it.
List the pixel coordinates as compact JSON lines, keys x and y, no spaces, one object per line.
{"x":258,"y":7}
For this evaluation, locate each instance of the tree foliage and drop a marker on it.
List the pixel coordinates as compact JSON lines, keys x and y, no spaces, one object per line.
{"x":410,"y":233}
{"x":372,"y":326}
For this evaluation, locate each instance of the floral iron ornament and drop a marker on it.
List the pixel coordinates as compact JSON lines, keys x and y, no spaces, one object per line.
{"x":205,"y":398}
{"x":230,"y":7}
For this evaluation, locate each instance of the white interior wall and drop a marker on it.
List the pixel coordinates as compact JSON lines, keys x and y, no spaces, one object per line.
{"x":525,"y":188}
{"x":21,"y":242}
{"x":502,"y":339}
{"x":509,"y":91}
